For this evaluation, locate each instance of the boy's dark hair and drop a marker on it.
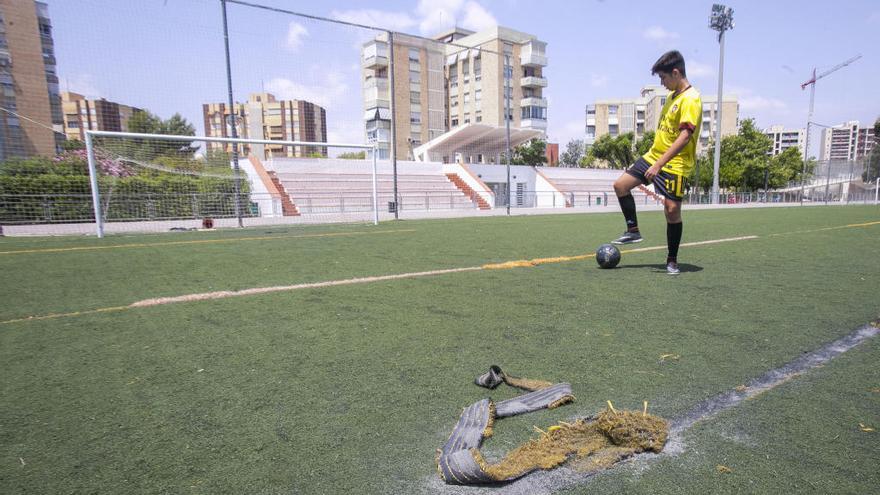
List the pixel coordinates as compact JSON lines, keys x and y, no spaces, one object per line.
{"x":668,"y":61}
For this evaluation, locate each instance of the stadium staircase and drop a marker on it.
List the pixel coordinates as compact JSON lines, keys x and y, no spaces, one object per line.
{"x":288,"y":207}
{"x":468,"y":191}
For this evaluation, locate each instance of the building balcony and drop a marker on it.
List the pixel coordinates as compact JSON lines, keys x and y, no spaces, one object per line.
{"x":379,"y":136}
{"x":533,"y":82}
{"x":375,"y":61}
{"x":533,"y":102}
{"x":529,"y":58}
{"x":376,"y":82}
{"x":533,"y":124}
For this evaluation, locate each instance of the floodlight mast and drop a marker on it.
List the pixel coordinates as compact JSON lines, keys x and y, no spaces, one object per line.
{"x":721,"y":19}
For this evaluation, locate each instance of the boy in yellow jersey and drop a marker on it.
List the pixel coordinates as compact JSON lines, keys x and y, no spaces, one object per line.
{"x":670,"y":159}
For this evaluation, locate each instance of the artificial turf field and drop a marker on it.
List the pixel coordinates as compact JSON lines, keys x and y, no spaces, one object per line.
{"x":352,"y":388}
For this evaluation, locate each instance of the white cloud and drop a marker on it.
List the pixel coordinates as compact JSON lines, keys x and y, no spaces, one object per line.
{"x":598,"y":80}
{"x":751,"y":102}
{"x":345,"y":131}
{"x":573,"y":129}
{"x":328,"y":93}
{"x":431,"y":17}
{"x":657,"y":33}
{"x":295,"y":34}
{"x":698,"y":70}
{"x":396,"y":21}
{"x":84,"y":84}
{"x":477,"y":18}
{"x":437,"y":15}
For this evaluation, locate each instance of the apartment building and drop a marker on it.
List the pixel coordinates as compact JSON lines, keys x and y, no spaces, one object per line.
{"x":32,"y":123}
{"x":456,"y":78}
{"x":786,"y":138}
{"x":639,"y":115}
{"x":419,"y":106}
{"x":264,"y":117}
{"x":847,"y":141}
{"x":81,"y":114}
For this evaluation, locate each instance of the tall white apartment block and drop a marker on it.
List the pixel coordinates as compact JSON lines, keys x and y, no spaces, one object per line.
{"x":786,"y":138}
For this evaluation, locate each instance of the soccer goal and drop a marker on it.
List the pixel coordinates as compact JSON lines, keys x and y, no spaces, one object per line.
{"x":130,"y":182}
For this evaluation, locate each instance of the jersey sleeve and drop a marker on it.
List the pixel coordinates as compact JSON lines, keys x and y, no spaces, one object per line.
{"x":691,"y":114}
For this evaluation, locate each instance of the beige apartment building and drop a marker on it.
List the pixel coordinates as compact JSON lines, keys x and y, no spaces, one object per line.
{"x":455,"y":79}
{"x":82,"y":114}
{"x":642,"y":114}
{"x":264,"y":117}
{"x":847,"y":141}
{"x":786,"y":138}
{"x":28,"y":81}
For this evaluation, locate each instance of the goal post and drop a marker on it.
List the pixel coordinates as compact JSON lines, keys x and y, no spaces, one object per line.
{"x":171,"y":181}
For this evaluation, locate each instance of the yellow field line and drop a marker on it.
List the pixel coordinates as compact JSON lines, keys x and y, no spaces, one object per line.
{"x":852,"y":225}
{"x":203,"y":241}
{"x":331,"y":283}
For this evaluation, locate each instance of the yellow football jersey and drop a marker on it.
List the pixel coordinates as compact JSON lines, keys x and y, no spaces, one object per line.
{"x":685,"y":110}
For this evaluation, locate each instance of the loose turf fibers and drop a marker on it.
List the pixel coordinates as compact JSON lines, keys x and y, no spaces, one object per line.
{"x":351,"y":389}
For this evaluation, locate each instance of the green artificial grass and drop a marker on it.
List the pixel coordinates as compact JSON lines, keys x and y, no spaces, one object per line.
{"x":353,"y":388}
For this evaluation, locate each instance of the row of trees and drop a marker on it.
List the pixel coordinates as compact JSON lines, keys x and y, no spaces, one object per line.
{"x":746,"y":163}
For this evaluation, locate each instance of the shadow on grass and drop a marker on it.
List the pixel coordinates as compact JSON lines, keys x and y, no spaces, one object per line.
{"x":684,"y":267}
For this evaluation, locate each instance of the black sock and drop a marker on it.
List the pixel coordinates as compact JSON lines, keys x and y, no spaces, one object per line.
{"x":673,"y":239}
{"x":628,"y":206}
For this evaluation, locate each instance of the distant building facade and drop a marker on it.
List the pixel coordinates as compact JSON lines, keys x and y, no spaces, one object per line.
{"x":82,"y":114}
{"x":847,"y":141}
{"x":786,"y":138}
{"x":28,"y":81}
{"x":642,"y":114}
{"x":264,"y":117}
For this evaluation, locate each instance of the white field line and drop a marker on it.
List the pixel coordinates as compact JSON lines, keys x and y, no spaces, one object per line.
{"x":351,"y":281}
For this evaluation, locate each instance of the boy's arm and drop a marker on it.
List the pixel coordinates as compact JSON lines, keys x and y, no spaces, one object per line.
{"x":677,"y":145}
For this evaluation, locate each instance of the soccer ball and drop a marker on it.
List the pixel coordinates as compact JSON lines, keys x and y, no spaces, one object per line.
{"x":608,"y":256}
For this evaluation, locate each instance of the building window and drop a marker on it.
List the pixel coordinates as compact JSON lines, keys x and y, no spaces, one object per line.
{"x":465,"y":67}
{"x":612,"y":109}
{"x":467,"y":98}
{"x":415,"y":118}
{"x":613,"y":129}
{"x":453,"y":101}
{"x":414,"y":54}
{"x":478,"y":69}
{"x":532,"y":112}
{"x":415,"y":76}
{"x":454,"y":122}
{"x":415,"y":97}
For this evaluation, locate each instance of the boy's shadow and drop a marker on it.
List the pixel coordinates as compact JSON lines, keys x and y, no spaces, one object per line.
{"x":684,"y":267}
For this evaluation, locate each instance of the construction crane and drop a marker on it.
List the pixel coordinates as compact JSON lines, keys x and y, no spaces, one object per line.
{"x":812,"y":84}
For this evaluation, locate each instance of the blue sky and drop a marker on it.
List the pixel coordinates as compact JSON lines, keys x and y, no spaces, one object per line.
{"x":167,"y":55}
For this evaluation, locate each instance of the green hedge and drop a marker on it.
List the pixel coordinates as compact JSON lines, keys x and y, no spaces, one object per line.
{"x":40,"y":191}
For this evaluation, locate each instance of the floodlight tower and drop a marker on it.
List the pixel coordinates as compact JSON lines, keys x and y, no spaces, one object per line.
{"x":721,"y":19}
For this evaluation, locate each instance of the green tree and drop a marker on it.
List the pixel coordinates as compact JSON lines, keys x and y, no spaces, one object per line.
{"x":72,"y":145}
{"x":574,"y":152}
{"x":744,"y":157}
{"x":177,"y":126}
{"x":530,"y":153}
{"x":144,"y":122}
{"x":616,"y":152}
{"x":643,"y":145}
{"x":354,"y":155}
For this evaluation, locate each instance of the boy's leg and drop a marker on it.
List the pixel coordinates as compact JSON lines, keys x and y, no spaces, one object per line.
{"x":673,"y":234}
{"x":632,"y":178}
